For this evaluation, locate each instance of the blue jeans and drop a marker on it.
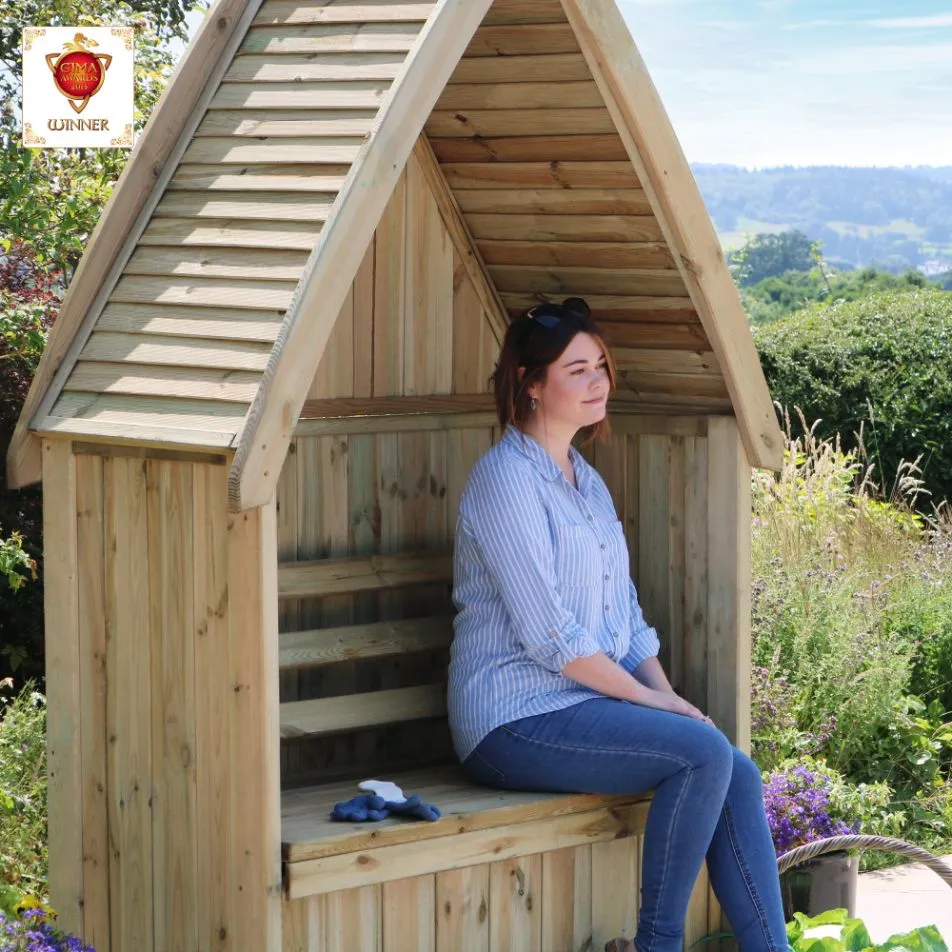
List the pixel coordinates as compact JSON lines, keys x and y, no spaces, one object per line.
{"x":708,"y":802}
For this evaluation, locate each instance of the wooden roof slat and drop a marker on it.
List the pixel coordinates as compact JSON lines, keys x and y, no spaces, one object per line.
{"x":664,"y":361}
{"x":541,"y":148}
{"x":263,"y":264}
{"x":346,"y":123}
{"x":552,"y":95}
{"x":508,"y":12}
{"x":259,"y":178}
{"x":564,"y":227}
{"x":554,"y":201}
{"x":567,"y":67}
{"x":291,"y":95}
{"x":151,"y":381}
{"x":146,"y":412}
{"x":181,"y":321}
{"x":579,"y":254}
{"x":618,"y":307}
{"x":275,"y":206}
{"x":658,"y":383}
{"x":343,"y":11}
{"x":520,"y":122}
{"x":291,"y":151}
{"x":222,"y":233}
{"x":316,"y":67}
{"x":170,"y":351}
{"x":585,"y":281}
{"x":353,"y":711}
{"x":539,"y":39}
{"x":681,"y":336}
{"x":151,"y":162}
{"x":263,"y":295}
{"x":144,"y":435}
{"x":537,"y":175}
{"x":333,"y":38}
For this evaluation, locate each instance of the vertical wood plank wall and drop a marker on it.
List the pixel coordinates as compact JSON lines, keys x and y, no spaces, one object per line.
{"x":164,"y":793}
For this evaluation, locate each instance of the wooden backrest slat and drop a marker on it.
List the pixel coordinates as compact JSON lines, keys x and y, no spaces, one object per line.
{"x":353,"y":711}
{"x":362,"y":574}
{"x":324,"y":646}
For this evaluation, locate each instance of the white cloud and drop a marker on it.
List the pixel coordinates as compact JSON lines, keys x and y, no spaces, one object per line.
{"x":912,"y":23}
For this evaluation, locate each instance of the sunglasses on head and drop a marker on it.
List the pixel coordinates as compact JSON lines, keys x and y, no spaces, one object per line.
{"x":548,"y":315}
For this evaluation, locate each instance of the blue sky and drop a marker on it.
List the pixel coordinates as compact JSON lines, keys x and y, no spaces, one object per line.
{"x":802,"y":82}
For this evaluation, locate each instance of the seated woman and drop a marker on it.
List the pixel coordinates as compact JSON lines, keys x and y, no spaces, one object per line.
{"x":554,"y":680}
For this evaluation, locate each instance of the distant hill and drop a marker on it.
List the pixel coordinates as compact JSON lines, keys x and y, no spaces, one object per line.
{"x":897,"y":218}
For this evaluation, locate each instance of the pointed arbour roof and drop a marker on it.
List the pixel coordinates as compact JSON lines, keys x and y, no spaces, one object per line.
{"x":208,"y":292}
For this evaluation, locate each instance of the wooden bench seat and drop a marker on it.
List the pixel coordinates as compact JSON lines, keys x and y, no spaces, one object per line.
{"x":478,"y":825}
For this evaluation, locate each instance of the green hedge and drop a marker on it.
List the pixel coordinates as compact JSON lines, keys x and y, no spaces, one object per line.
{"x":884,"y":361}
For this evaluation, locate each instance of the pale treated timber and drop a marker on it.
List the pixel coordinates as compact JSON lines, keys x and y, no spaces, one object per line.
{"x":331,"y":38}
{"x":152,"y":381}
{"x":150,"y":165}
{"x":272,"y":207}
{"x":666,"y":176}
{"x":687,"y":385}
{"x":145,"y":435}
{"x":185,"y":352}
{"x":578,"y":254}
{"x":601,"y":148}
{"x":144,"y":412}
{"x":293,"y":150}
{"x":312,"y":877}
{"x":359,"y":11}
{"x":263,"y":443}
{"x":180,"y":321}
{"x":568,"y":67}
{"x":511,"y":12}
{"x":517,"y":227}
{"x":300,"y":95}
{"x":553,"y":95}
{"x":353,"y":711}
{"x":585,"y":281}
{"x":298,"y":122}
{"x":368,"y":573}
{"x":663,"y":361}
{"x":259,"y":178}
{"x":396,"y":407}
{"x":618,"y":307}
{"x":207,"y":292}
{"x":488,"y":123}
{"x":315,"y":67}
{"x":256,"y":264}
{"x":681,"y":336}
{"x":64,"y":750}
{"x":357,"y":642}
{"x":535,"y":175}
{"x":539,"y":39}
{"x":222,"y":233}
{"x":585,"y":201}
{"x":408,"y":423}
{"x":463,"y":241}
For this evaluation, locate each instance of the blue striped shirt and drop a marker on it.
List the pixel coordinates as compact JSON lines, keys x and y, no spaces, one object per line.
{"x":540,"y":579}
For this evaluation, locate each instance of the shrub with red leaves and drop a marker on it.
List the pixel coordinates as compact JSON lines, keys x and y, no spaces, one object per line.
{"x":29,"y":301}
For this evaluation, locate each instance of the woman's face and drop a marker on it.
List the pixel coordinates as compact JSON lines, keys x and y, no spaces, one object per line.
{"x":575,"y":392}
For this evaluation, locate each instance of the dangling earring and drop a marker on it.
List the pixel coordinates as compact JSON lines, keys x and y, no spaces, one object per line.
{"x":533,"y":404}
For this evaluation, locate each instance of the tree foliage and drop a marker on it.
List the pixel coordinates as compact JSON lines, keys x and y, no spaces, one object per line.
{"x":882,"y":363}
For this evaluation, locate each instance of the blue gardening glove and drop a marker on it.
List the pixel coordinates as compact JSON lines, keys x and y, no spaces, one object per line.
{"x":414,"y":807}
{"x":361,"y":809}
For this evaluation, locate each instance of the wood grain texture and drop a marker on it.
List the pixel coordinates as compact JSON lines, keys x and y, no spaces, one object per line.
{"x":409,"y":923}
{"x":177,"y":111}
{"x":362,"y":573}
{"x":359,"y":11}
{"x":615,"y":890}
{"x":462,"y":902}
{"x":515,"y":893}
{"x":537,"y":175}
{"x":64,"y":747}
{"x":567,"y":899}
{"x":331,"y":38}
{"x":568,"y":67}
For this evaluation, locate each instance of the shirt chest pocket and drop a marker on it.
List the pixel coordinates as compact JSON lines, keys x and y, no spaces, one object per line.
{"x":578,"y":557}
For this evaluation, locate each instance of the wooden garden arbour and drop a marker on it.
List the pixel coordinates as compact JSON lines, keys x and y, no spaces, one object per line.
{"x":256,"y":412}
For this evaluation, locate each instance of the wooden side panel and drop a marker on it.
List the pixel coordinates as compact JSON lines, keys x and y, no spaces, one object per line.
{"x":615,"y":889}
{"x":166,"y":830}
{"x":409,"y":923}
{"x":462,"y":906}
{"x":64,"y":749}
{"x":567,"y":899}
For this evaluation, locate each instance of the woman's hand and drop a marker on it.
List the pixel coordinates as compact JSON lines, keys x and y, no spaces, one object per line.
{"x":669,"y":701}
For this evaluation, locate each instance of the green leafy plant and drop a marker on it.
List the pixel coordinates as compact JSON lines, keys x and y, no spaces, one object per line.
{"x":840,"y":933}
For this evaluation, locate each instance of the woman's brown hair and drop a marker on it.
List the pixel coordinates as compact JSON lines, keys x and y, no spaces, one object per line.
{"x":534,"y":341}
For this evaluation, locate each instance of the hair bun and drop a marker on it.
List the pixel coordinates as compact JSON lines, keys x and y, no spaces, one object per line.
{"x":577,"y":307}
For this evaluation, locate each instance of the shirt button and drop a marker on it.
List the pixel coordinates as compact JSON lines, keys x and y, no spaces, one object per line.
{"x":608,"y":608}
{"x":603,"y":546}
{"x":607,"y":577}
{"x":591,"y":518}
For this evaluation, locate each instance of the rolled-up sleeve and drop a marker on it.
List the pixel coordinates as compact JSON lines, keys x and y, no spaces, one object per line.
{"x":506,"y":523}
{"x":644,"y":641}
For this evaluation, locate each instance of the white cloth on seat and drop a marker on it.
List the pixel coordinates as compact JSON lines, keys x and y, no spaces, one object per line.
{"x":383,"y":788}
